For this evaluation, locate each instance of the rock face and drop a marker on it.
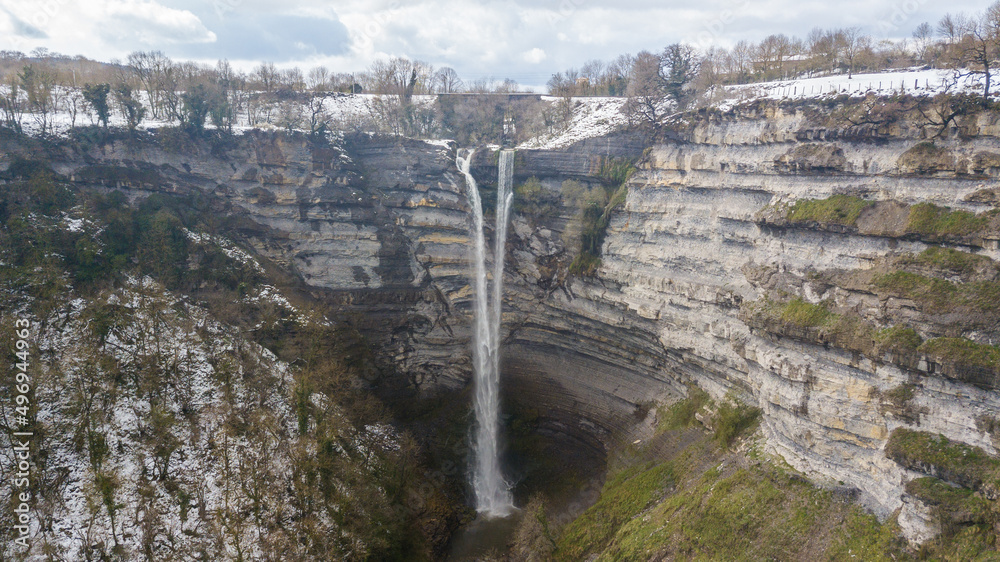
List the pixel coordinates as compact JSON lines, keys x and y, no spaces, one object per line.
{"x":678,"y":262}
{"x":381,"y":227}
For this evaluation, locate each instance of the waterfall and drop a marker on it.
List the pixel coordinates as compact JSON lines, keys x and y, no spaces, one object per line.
{"x":493,"y":497}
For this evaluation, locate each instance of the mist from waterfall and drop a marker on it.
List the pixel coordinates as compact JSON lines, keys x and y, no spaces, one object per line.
{"x":492,"y":491}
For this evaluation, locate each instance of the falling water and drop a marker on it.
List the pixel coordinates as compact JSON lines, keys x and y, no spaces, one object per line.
{"x":493,"y":497}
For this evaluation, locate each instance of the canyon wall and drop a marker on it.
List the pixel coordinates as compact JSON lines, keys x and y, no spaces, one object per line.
{"x":703,"y":234}
{"x":379,"y":229}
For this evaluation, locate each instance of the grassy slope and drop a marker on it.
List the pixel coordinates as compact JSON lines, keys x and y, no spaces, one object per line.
{"x":709,"y":502}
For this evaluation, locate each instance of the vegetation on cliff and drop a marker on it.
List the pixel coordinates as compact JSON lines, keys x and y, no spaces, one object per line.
{"x":837,"y":209}
{"x":195,"y":405}
{"x":595,"y":209}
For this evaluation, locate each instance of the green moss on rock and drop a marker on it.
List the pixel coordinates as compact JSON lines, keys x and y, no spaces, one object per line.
{"x":932,"y":221}
{"x":936,"y":455}
{"x":837,"y":209}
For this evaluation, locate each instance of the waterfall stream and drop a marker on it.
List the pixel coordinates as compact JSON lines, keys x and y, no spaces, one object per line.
{"x":493,"y":496}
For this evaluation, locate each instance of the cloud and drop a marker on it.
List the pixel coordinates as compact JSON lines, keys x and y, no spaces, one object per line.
{"x":150,"y":24}
{"x":22,"y":28}
{"x":272,"y":37}
{"x":533,"y":56}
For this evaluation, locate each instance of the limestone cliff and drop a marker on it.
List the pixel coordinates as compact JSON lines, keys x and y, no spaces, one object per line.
{"x":684,"y":258}
{"x":705,"y":236}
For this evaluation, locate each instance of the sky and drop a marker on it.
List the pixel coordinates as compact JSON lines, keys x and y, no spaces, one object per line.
{"x":523,"y":40}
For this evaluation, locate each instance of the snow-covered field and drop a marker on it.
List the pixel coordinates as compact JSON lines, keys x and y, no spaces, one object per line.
{"x":914,"y":82}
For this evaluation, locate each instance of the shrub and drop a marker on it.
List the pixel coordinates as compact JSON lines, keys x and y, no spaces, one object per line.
{"x":531,"y":200}
{"x":585,"y":264}
{"x":615,"y":171}
{"x":732,"y":419}
{"x":680,"y":414}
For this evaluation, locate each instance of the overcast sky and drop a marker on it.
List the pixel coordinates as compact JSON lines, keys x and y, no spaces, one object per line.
{"x":519,"y":39}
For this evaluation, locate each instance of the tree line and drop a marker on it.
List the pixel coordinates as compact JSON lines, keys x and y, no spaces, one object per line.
{"x":148,"y":85}
{"x":966,"y":44}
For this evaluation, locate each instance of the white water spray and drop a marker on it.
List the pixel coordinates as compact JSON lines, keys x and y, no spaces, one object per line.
{"x":493,"y":497}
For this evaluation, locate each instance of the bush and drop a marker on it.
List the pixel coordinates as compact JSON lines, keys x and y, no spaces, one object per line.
{"x":614,"y":172}
{"x":732,"y":419}
{"x":532,"y":200}
{"x":680,"y":414}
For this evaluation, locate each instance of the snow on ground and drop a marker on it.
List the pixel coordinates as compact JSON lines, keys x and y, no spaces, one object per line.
{"x":592,"y":117}
{"x":928,"y":82}
{"x":227,"y":247}
{"x":195,"y":355}
{"x":446,"y":143}
{"x":153,"y":315}
{"x":595,"y":116}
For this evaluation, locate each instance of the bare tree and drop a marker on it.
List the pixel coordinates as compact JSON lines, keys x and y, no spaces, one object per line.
{"x":616,"y":76}
{"x":293,"y":79}
{"x":950,"y":27}
{"x":399,"y":76}
{"x":771,"y":55}
{"x":824,"y":48}
{"x":855,"y":42}
{"x":266,"y":76}
{"x":153,"y":73}
{"x":974,"y":44}
{"x":319,"y":117}
{"x":592,"y":72}
{"x":923,"y":36}
{"x":739,"y":63}
{"x":646,"y":91}
{"x":446,"y":81}
{"x":318,"y":79}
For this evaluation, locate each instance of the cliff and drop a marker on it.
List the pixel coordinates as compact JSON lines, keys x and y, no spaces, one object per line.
{"x":707,"y":240}
{"x":705,"y":269}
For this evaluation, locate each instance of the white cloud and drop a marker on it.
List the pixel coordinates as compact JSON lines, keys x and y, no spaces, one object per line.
{"x":533,"y":56}
{"x":151,"y":23}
